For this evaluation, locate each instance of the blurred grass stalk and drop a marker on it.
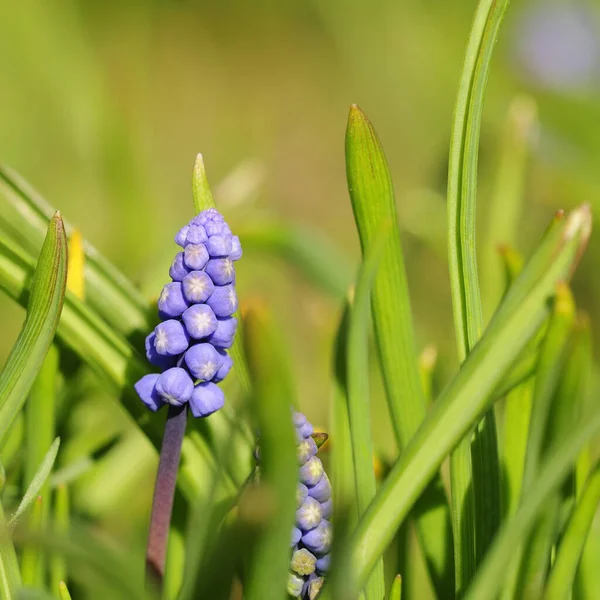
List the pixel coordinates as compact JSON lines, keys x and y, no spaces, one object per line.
{"x":373,"y":203}
{"x":474,"y":464}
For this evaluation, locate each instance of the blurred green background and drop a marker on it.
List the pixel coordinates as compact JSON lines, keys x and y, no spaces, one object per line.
{"x":104,"y":106}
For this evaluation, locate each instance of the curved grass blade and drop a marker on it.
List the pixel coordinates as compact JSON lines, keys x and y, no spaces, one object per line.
{"x":39,"y":480}
{"x":267,"y":572}
{"x":357,"y":384}
{"x":562,"y":576}
{"x":470,"y":392}
{"x":372,"y":197}
{"x":474,"y":467}
{"x":551,"y":475}
{"x":43,"y":313}
{"x":10,"y":576}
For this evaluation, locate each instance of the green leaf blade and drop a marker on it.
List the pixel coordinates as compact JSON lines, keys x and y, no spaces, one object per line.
{"x":43,"y":313}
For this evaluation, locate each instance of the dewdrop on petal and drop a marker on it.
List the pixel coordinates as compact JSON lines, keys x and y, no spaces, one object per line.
{"x":197,"y":326}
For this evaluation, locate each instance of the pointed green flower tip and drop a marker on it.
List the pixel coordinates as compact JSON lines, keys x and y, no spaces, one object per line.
{"x":513,"y":262}
{"x":203,"y":198}
{"x":396,"y":589}
{"x":63,"y":591}
{"x":320,"y":438}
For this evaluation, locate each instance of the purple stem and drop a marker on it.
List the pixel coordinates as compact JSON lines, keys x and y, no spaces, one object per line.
{"x":164,"y":492}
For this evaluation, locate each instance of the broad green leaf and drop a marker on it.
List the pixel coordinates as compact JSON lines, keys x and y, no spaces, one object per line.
{"x":24,"y":214}
{"x":551,"y":474}
{"x":468,"y":395}
{"x":37,"y":483}
{"x":10,"y":576}
{"x":474,"y":465}
{"x":372,"y":196}
{"x":267,"y":572}
{"x":357,"y":384}
{"x":203,"y":199}
{"x":43,"y":313}
{"x":562,"y":576}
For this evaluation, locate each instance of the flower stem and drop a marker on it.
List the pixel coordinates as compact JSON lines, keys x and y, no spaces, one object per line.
{"x":164,"y":492}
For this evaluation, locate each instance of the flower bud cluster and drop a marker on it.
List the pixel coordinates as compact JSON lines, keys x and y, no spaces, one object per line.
{"x":190,"y":343}
{"x":312,"y":533}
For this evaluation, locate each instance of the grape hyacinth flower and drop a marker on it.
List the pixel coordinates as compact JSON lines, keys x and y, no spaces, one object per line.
{"x":189,"y":347}
{"x":197,"y":327}
{"x":311,"y":535}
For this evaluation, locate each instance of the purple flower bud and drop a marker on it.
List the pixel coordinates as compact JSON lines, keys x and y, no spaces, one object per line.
{"x":217,"y":228}
{"x":203,"y":361}
{"x":156,"y":359}
{"x":301,"y":494}
{"x":226,"y":364}
{"x":219,"y":245}
{"x":327,"y":508}
{"x":200,"y":321}
{"x":303,"y":562}
{"x":195,"y":256}
{"x":323,"y":563}
{"x":178,"y":269}
{"x":322,"y":491}
{"x":207,"y":216}
{"x":171,"y":338}
{"x":306,"y":449}
{"x":206,"y":399}
{"x":296,"y":535}
{"x":181,"y":236}
{"x":223,"y":301}
{"x":197,"y":286}
{"x":298,"y":418}
{"x":236,"y":248}
{"x":221,"y":270}
{"x":313,"y":587}
{"x":171,"y":302}
{"x":224,"y":334}
{"x":146,"y":390}
{"x":294,"y":585}
{"x":311,"y":472}
{"x":175,"y":386}
{"x":319,"y":539}
{"x":309,"y":515}
{"x":304,"y":431}
{"x":196,"y":235}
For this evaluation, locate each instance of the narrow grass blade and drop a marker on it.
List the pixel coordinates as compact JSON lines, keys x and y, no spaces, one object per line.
{"x":31,"y":555}
{"x":474,"y":468}
{"x":10,"y":576}
{"x":322,"y":263}
{"x":562,"y":576}
{"x":61,"y":523}
{"x":40,"y":433}
{"x":37,"y":483}
{"x":396,"y":590}
{"x":372,"y":197}
{"x":111,"y":294}
{"x":63,"y":591}
{"x":43,"y":313}
{"x":507,"y":199}
{"x":463,"y":401}
{"x":267,"y":573}
{"x":359,"y":407}
{"x":203,"y":199}
{"x":551,"y":475}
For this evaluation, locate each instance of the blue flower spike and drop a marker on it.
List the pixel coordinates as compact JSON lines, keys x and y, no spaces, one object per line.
{"x":311,"y":535}
{"x":197,"y":326}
